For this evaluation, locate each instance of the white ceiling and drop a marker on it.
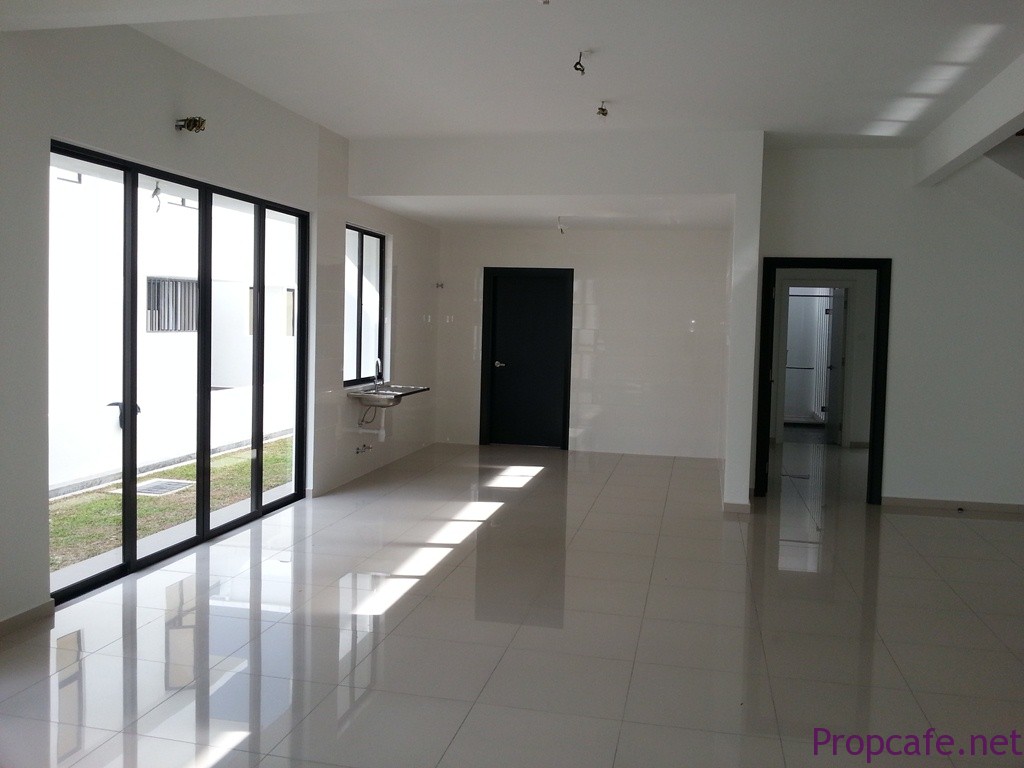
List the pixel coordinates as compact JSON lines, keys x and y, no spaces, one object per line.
{"x":808,"y":72}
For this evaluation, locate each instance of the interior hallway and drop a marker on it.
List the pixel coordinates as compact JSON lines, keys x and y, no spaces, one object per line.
{"x":500,"y":606}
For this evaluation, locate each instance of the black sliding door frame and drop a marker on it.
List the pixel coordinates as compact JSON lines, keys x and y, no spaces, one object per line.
{"x":131,"y":562}
{"x":129,"y":368}
{"x":204,"y":367}
{"x":259,"y":331}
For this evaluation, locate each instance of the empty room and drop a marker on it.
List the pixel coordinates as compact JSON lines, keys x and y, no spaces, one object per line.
{"x":511,"y":383}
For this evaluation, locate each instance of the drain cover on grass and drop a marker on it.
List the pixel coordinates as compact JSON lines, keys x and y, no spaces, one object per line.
{"x":161,"y":487}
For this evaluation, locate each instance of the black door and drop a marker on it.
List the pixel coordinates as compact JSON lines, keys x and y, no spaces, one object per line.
{"x":527,"y":342}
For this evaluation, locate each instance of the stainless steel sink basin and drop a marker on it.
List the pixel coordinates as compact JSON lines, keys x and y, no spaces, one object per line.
{"x":384,"y":395}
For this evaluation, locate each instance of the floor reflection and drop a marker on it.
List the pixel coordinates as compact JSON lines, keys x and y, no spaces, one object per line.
{"x":520,"y":550}
{"x":527,"y":606}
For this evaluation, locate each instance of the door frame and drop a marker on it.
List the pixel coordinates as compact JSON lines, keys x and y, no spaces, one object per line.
{"x":491,"y":274}
{"x":837,"y":384}
{"x":879,"y":369}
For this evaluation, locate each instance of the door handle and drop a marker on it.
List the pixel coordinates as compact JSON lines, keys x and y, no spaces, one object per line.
{"x":499,"y":364}
{"x":120,"y":411}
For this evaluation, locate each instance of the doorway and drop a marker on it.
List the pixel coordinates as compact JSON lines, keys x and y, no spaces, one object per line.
{"x":812,"y":342}
{"x":526,"y":356}
{"x":770,"y":408}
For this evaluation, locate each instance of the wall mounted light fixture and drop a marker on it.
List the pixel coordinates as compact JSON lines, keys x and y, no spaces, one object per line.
{"x":193,"y":124}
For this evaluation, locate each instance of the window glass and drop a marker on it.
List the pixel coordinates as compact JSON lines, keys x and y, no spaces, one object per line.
{"x":370,"y":305}
{"x":352,"y":239}
{"x":364,"y":305}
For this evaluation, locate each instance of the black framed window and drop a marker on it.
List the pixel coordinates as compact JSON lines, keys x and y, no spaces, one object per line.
{"x":364,"y":304}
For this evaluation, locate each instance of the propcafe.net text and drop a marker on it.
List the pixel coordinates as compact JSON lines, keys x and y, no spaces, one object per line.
{"x":872,"y":745}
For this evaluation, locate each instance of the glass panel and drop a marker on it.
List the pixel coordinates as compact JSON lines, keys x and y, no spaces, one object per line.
{"x":351,"y":370}
{"x":280,"y":370}
{"x":168,"y":285}
{"x":86,"y":297}
{"x":231,"y":335}
{"x":371,"y":304}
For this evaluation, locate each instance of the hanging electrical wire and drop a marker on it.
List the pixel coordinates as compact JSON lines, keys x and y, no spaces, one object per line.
{"x":363,"y":421}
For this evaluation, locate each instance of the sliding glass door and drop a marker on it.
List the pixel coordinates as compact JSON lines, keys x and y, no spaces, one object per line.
{"x":281,"y":305}
{"x":177,"y":338}
{"x":233,"y":325}
{"x":166,"y":363}
{"x":86,"y":317}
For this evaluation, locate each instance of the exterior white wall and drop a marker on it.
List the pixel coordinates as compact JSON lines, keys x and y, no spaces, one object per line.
{"x":649,"y":316}
{"x":86,"y":314}
{"x":956,"y":347}
{"x":118,"y":91}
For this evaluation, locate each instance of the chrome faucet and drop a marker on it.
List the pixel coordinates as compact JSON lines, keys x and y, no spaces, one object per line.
{"x":378,"y":375}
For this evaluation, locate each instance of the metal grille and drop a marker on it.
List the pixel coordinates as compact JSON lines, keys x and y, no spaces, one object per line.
{"x":161,"y":487}
{"x":172,"y":304}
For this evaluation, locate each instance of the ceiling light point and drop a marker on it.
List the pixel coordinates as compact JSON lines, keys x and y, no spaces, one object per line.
{"x":194,"y":124}
{"x":578,"y":66}
{"x":602,"y":111}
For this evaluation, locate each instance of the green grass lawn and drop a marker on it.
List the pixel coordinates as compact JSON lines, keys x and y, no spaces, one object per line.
{"x":89,"y":524}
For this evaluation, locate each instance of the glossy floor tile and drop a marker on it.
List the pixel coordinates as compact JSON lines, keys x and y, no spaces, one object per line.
{"x":506,"y":606}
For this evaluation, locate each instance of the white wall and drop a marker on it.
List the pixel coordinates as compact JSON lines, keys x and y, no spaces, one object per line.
{"x":607,"y":163}
{"x":649,"y":315}
{"x":593,"y":163}
{"x":956,"y":357}
{"x":412,"y":251}
{"x":117,"y":91}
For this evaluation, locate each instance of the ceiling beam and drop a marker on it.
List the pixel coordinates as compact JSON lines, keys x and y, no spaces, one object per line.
{"x":989,"y":117}
{"x":21,"y":15}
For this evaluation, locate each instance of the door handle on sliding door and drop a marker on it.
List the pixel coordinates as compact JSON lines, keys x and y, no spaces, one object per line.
{"x":120,"y":411}
{"x":499,"y":364}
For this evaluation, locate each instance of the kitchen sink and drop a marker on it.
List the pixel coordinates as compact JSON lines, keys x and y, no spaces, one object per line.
{"x":384,"y":395}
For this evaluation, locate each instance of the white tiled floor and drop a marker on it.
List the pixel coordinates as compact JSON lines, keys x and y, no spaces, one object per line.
{"x":463,"y":608}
